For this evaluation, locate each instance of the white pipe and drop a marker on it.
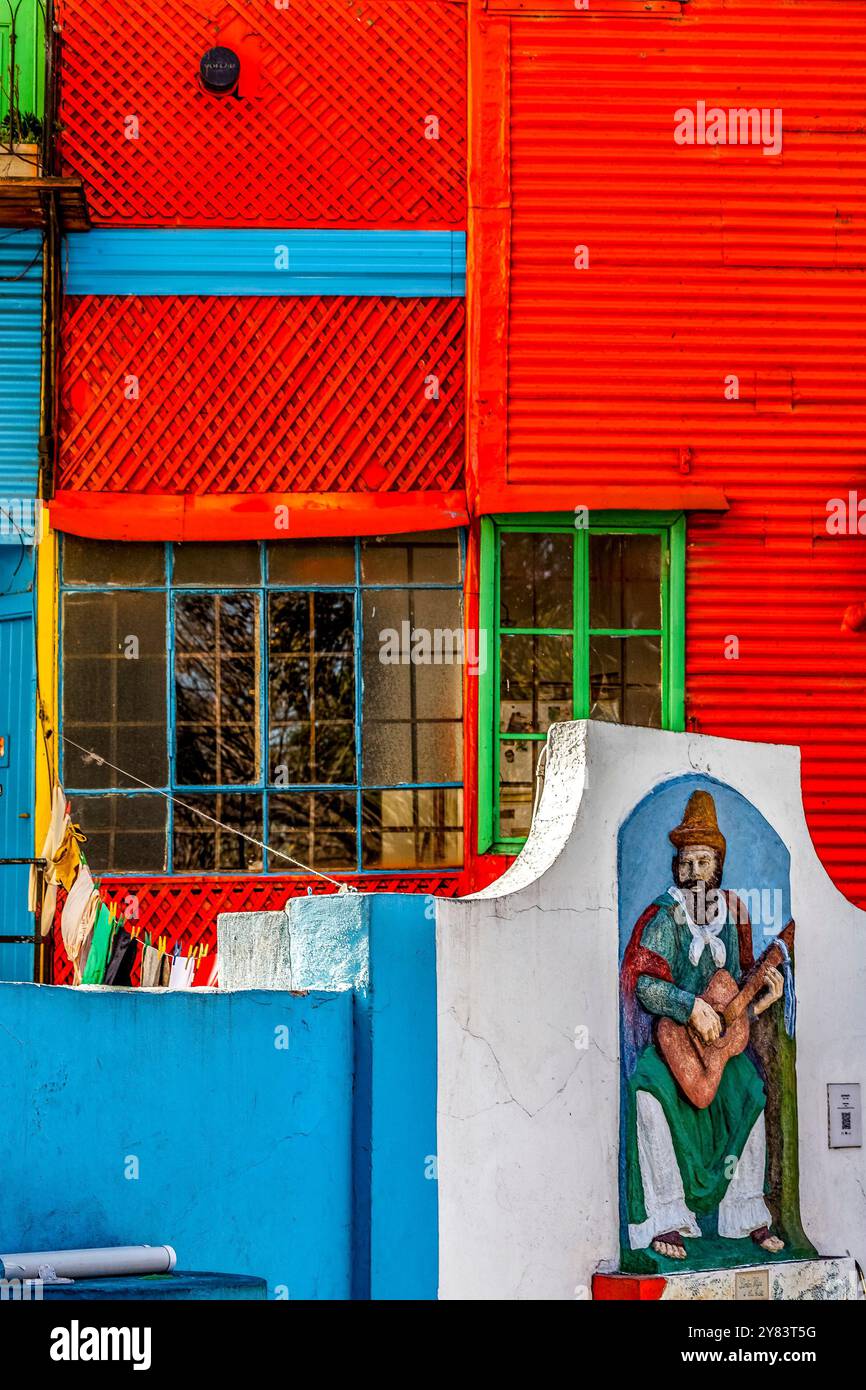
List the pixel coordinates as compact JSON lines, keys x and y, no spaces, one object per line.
{"x":90,"y":1264}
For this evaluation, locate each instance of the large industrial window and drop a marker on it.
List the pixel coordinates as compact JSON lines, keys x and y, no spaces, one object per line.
{"x":586,"y":622}
{"x":273,"y":687}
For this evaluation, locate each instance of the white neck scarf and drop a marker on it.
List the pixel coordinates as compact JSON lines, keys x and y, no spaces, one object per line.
{"x":707,"y":935}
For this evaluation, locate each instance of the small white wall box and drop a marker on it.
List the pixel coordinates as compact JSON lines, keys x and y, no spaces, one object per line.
{"x":846,"y":1117}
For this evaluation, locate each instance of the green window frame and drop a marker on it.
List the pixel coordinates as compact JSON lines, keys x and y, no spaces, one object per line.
{"x":670,"y":527}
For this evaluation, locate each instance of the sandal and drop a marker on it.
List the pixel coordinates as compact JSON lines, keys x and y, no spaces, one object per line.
{"x":669,"y":1238}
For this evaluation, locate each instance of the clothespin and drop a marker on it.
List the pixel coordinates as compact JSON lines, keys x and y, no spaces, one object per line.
{"x":161,"y":945}
{"x":205,"y":947}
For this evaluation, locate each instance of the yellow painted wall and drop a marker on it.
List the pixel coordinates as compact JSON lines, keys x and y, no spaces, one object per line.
{"x":46,"y":678}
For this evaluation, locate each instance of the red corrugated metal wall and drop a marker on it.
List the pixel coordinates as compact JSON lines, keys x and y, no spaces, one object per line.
{"x":244,"y":395}
{"x":331,"y":133}
{"x":703,"y":263}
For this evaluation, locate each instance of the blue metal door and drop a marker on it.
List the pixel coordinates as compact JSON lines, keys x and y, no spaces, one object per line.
{"x":17,"y":727}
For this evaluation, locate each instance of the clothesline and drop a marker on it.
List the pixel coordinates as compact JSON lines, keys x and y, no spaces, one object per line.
{"x":101,"y":943}
{"x":158,"y":968}
{"x":307,"y":868}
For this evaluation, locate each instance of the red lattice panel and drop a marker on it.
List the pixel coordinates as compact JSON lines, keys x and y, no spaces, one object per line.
{"x":262,"y":395}
{"x":186,"y":909}
{"x":330,"y":128}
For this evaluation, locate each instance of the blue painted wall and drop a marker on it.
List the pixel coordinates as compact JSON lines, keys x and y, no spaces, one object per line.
{"x":382,"y":946}
{"x":404,"y":1236}
{"x":17,"y":726}
{"x":243,"y":1148}
{"x":20,"y":380}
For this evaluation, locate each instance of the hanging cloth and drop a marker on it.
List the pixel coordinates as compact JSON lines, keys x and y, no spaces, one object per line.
{"x":182,"y":968}
{"x":50,"y":846}
{"x":93,"y":971}
{"x":82,"y":956}
{"x":85,"y":935}
{"x":151,"y":967}
{"x":73,"y":914}
{"x":67,"y":860}
{"x":123,"y":954}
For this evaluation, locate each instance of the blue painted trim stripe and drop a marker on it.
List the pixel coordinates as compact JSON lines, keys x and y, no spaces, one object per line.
{"x":266,"y":262}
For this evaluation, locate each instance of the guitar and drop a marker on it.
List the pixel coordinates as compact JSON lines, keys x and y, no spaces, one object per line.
{"x":697,"y":1066}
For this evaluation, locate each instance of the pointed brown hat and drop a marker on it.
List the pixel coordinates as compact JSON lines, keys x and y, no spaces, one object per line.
{"x":699,"y":825}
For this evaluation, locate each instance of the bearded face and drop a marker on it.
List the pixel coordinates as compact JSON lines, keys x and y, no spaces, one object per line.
{"x":698,"y":872}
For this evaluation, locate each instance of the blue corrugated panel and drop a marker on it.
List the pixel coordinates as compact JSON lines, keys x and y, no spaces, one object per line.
{"x":20,"y":361}
{"x":256,"y":261}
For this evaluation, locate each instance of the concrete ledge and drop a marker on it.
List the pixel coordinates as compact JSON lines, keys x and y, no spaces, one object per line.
{"x":832,"y":1280}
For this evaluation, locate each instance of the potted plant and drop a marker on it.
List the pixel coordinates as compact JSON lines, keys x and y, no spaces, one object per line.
{"x":20,"y":141}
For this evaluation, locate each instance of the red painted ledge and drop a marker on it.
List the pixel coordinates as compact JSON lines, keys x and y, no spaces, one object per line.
{"x":496,"y":498}
{"x":239,"y":517}
{"x":628,"y":1288}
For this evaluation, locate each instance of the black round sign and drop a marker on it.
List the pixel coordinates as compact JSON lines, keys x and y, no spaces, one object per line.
{"x":220,"y":69}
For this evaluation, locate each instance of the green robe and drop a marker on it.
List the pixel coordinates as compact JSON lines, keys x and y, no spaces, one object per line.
{"x":704,"y":1140}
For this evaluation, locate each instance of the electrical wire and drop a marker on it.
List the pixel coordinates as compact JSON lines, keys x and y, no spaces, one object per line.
{"x":307,"y":868}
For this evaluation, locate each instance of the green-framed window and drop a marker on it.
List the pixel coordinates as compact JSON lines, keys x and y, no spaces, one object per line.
{"x":585,"y":620}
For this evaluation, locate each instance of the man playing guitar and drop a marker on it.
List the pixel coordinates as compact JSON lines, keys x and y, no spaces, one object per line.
{"x":684,"y":1160}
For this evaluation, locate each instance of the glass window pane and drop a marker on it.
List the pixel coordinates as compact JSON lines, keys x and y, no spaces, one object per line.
{"x":200,"y":846}
{"x":413,"y":687}
{"x":112,"y":562}
{"x":412,"y":829}
{"x":311,"y":562}
{"x":536,"y":579}
{"x":536,"y":683}
{"x":222,"y":566}
{"x":114,"y":703}
{"x":518,"y":759}
{"x":125,"y":834}
{"x":216,"y":677}
{"x":431,"y":557}
{"x":317,"y":828}
{"x":311,"y":688}
{"x":625,"y":680}
{"x":625,"y":581}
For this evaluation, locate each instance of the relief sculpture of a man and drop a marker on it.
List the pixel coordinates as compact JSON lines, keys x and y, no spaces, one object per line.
{"x":682,"y":1160}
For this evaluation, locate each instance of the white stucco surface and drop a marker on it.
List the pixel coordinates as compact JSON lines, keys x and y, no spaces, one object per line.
{"x":314,"y":943}
{"x":528,"y":1120}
